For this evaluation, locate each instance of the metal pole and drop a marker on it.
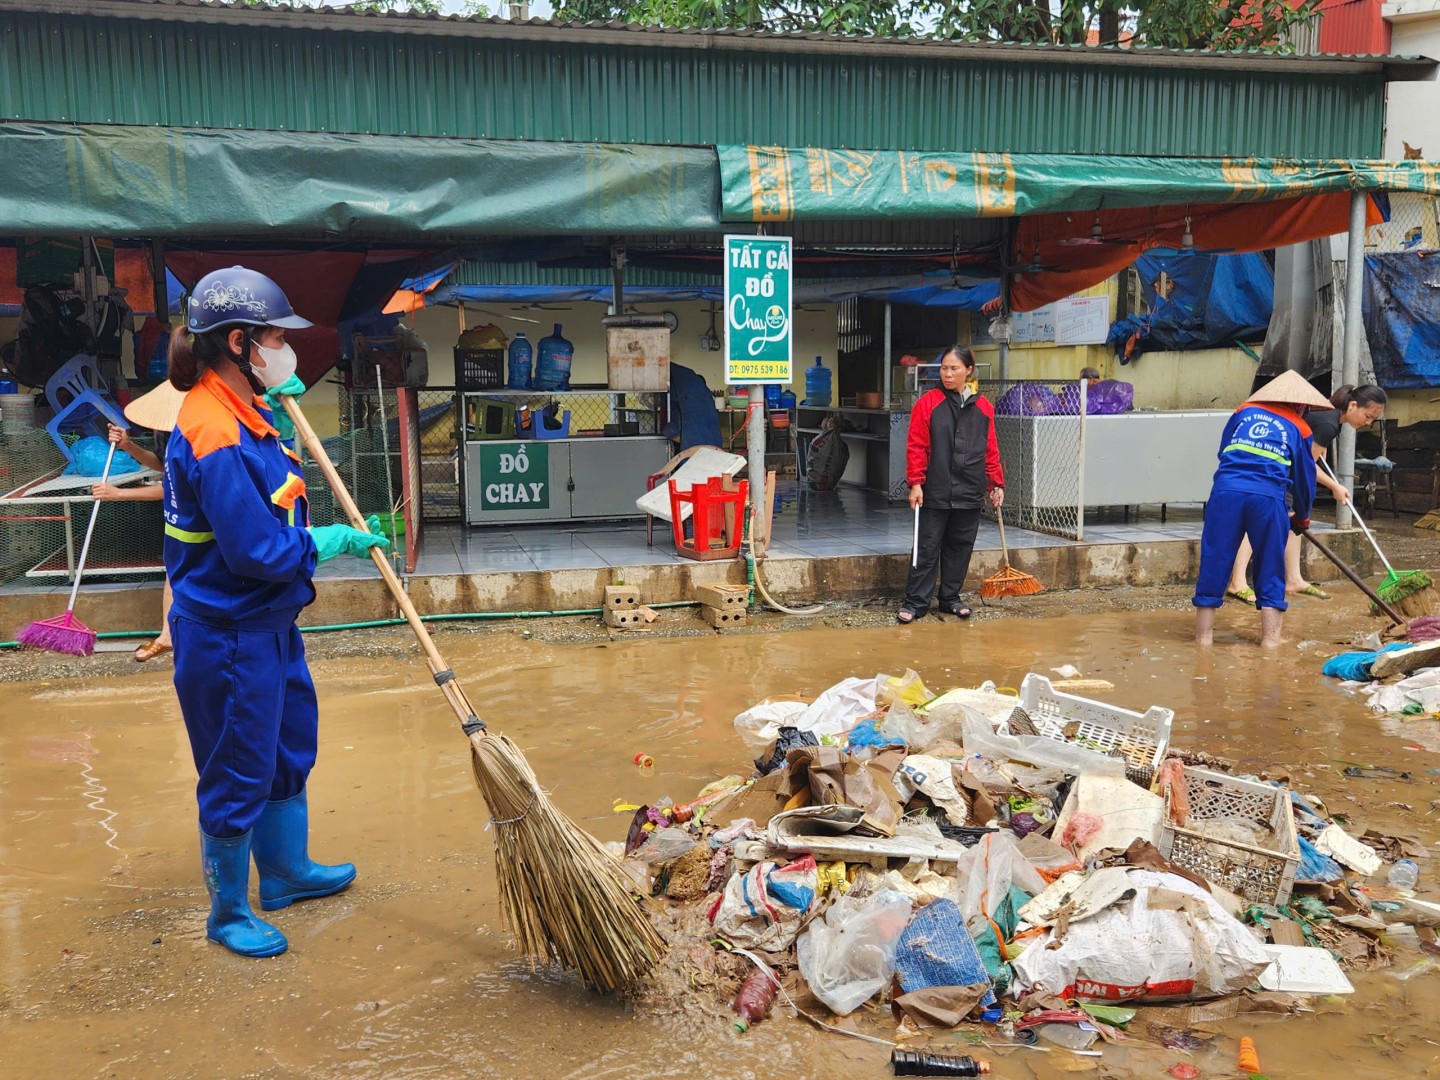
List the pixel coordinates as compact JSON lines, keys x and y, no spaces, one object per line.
{"x":161,"y":295}
{"x":755,"y":453}
{"x":385,"y":447}
{"x":1080,"y":463}
{"x":888,"y":353}
{"x":1350,"y":357}
{"x":1012,"y":229}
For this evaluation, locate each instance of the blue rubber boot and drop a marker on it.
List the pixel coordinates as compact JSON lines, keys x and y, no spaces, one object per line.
{"x":226,"y":865}
{"x":286,"y":872}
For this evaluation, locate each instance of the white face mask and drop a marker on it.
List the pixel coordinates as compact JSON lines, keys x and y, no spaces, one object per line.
{"x":278,"y":364}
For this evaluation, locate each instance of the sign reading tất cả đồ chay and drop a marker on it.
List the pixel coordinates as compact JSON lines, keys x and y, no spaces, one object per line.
{"x":758,"y":309}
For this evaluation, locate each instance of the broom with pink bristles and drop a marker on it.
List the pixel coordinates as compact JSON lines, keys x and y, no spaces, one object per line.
{"x":65,"y":633}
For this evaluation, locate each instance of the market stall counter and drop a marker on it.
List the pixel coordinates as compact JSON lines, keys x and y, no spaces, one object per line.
{"x":534,"y":456}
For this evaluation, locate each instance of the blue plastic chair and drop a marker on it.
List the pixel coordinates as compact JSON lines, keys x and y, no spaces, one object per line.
{"x":77,"y":385}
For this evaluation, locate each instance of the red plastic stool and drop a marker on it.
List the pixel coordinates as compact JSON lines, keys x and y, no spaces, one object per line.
{"x":716,"y":521}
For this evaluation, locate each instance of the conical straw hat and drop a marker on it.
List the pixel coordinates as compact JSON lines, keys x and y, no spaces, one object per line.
{"x":1290,"y":388}
{"x":158,"y":409}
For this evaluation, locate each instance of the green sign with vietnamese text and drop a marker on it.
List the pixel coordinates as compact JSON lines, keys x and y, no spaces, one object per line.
{"x":759,"y":335}
{"x":514,"y":476}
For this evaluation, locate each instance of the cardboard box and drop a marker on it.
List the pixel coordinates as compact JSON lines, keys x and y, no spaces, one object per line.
{"x":638,"y":355}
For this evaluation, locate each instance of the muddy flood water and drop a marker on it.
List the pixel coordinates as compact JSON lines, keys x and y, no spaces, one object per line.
{"x":105,"y":970}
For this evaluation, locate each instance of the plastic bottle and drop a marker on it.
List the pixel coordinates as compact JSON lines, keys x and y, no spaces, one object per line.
{"x":753,"y":1002}
{"x":552,"y":370}
{"x":521,"y":363}
{"x":787,"y":398}
{"x":1404,"y":874}
{"x":919,"y":1063}
{"x":772,"y":397}
{"x":817,"y":384}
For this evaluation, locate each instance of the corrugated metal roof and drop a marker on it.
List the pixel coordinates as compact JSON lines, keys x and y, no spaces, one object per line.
{"x":413,"y":22}
{"x":568,"y":84}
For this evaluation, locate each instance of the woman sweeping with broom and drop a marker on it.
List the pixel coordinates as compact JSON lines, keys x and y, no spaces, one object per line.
{"x":952,"y":462}
{"x":240,"y":558}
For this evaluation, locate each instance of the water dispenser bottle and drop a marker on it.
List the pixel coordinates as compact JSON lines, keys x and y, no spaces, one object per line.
{"x":817,"y":384}
{"x":522,"y":355}
{"x":552,"y":371}
{"x":787,"y":399}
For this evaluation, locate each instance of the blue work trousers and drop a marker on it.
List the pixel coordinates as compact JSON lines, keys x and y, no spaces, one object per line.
{"x":1229,"y":517}
{"x":249,"y":707}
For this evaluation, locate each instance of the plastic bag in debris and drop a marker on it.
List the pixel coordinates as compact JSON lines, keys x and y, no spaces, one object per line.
{"x":760,"y":724}
{"x":932,"y":777}
{"x":867,"y":733}
{"x":1315,"y":865}
{"x":987,"y":873}
{"x":1170,"y":942}
{"x":980,"y":737}
{"x":1355,"y":666}
{"x":1126,"y":813}
{"x":922,"y":730}
{"x":839,"y":779}
{"x":665,"y":845}
{"x":788,"y":739}
{"x":1422,"y":689}
{"x":985,"y":700}
{"x":765,"y":907}
{"x":848,"y":956}
{"x":905,"y":688}
{"x":937,"y":950}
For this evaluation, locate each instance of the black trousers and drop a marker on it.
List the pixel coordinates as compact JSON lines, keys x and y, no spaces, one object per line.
{"x":947,"y":540}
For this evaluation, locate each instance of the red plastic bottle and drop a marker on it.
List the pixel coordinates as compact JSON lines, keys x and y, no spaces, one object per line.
{"x":755,"y":999}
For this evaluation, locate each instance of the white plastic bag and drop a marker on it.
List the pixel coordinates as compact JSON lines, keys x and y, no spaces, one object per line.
{"x":760,"y":724}
{"x":987,"y":871}
{"x":981,"y":738}
{"x":1172,"y":941}
{"x":836,"y":710}
{"x":848,"y":956}
{"x":933,"y":778}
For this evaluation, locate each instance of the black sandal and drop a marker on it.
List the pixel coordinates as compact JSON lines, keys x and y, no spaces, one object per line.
{"x":905,"y":616}
{"x":960,"y":611}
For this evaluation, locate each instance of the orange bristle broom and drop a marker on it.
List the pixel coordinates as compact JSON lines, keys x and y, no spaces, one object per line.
{"x":1009,"y":581}
{"x":65,"y":633}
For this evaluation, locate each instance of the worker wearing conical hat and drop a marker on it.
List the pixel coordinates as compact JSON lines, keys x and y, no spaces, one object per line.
{"x":1266,"y":455}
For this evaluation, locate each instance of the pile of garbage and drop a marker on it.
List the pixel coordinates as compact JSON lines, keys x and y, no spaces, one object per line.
{"x":1030,"y":866}
{"x":1398,"y":679}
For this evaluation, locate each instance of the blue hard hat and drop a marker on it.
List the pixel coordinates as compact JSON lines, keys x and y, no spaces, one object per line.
{"x":239,"y":297}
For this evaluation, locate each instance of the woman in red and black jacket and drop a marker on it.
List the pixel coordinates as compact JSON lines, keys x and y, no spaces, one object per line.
{"x":952,"y":462}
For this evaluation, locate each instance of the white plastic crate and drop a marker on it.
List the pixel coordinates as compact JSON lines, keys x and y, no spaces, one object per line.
{"x":1260,"y":874}
{"x":1141,"y":739}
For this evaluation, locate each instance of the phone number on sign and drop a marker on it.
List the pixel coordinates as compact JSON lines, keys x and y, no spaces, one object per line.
{"x":741,"y":370}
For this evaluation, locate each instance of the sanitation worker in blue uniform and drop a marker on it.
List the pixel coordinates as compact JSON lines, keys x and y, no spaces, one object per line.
{"x":1266,"y":454}
{"x":240,"y":555}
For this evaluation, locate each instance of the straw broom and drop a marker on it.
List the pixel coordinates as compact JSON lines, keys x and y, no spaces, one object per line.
{"x":565,"y":896}
{"x":1009,"y":581}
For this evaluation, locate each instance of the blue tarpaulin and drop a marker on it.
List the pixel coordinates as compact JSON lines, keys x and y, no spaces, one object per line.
{"x":1402,"y":319}
{"x":1197,"y":302}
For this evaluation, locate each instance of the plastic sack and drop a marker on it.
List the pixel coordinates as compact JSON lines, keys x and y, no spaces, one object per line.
{"x":765,"y":907}
{"x":987,"y":873}
{"x":788,"y":739}
{"x":1171,"y":941}
{"x":848,"y":956}
{"x":1355,"y":666}
{"x":88,"y":459}
{"x":921,"y":732}
{"x":932,"y":777}
{"x":1028,"y":399}
{"x":937,"y":950}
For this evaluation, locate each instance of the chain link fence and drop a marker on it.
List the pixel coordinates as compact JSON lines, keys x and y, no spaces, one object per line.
{"x":1040,"y":427}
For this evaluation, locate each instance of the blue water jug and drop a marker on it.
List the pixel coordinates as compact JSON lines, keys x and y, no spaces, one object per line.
{"x":772,"y":397}
{"x":787,"y":398}
{"x":521,"y":362}
{"x":552,"y":369}
{"x":817,"y":384}
{"x":158,"y":369}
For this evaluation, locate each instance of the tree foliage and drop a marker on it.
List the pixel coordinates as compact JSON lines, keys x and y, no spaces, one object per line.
{"x":1176,"y":24}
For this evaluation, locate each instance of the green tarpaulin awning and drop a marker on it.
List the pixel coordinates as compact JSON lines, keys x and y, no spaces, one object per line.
{"x":775,"y":184}
{"x":173,"y":182}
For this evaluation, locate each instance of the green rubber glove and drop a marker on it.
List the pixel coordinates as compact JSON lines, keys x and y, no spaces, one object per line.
{"x":291,"y":387}
{"x":333,"y":540}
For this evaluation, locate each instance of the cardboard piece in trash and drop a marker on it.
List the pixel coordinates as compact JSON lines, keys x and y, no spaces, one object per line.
{"x":759,"y":801}
{"x":1075,"y":897}
{"x":1128,"y":812}
{"x":828,"y":832}
{"x":1303,"y":970}
{"x":1392,"y":848}
{"x":937,"y":1006}
{"x":1286,"y":932}
{"x":841,"y":779}
{"x":1347,"y":851}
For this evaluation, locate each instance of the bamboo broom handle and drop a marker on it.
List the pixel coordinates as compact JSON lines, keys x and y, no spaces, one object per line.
{"x":1354,"y":578}
{"x":444,"y":677}
{"x":1000,"y":520}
